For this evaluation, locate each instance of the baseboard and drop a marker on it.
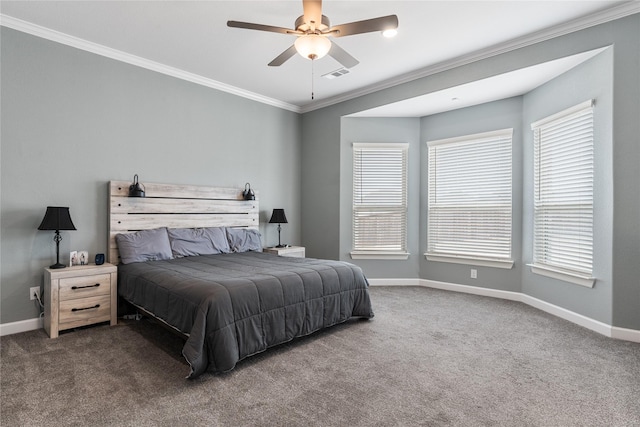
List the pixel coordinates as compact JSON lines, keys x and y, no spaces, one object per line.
{"x":394,"y":282}
{"x":475,"y":290}
{"x":579,"y":319}
{"x":573,"y":317}
{"x":21,"y":326}
{"x":586,"y":322}
{"x":625,"y":334}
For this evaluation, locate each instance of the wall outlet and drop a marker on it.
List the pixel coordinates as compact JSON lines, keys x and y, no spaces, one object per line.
{"x":33,"y":291}
{"x":474,"y":273}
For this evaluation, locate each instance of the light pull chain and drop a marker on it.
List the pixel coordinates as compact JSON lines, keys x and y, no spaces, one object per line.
{"x":312,"y":61}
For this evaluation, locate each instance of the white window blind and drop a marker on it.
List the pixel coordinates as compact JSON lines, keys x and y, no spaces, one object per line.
{"x":563,"y":193}
{"x":469,"y":197}
{"x":379,"y":200}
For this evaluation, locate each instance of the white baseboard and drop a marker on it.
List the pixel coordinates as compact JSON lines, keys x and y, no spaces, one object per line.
{"x":573,"y":317}
{"x":487,"y":292}
{"x":584,"y":321}
{"x":625,"y":334}
{"x":21,"y":326}
{"x":394,"y":282}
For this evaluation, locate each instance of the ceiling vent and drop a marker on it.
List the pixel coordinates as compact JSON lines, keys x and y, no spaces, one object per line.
{"x":337,"y":73}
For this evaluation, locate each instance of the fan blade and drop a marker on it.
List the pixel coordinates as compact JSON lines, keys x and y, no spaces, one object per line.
{"x":260,"y":27}
{"x":341,"y":55}
{"x":312,"y":12}
{"x":283,"y":57}
{"x":367,"y":26}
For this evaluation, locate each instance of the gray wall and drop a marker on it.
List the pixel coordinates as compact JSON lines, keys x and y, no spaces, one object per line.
{"x":72,"y":121}
{"x":467,"y":121}
{"x":381,"y":130}
{"x":626,"y":174}
{"x":323,"y":203}
{"x":591,"y":80}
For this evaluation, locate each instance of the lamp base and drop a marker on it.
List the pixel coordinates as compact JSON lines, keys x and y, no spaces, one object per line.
{"x":282,"y":246}
{"x":58,"y":265}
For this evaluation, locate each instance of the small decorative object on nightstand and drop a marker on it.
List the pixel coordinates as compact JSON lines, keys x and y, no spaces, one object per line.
{"x":78,"y":296}
{"x":99,"y":259}
{"x":290,"y":251}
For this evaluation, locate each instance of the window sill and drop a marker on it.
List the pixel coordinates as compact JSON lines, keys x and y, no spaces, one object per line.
{"x":482,"y":262}
{"x":574,"y":278}
{"x":379,"y":255}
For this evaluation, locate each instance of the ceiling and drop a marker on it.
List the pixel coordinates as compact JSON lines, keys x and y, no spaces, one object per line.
{"x":501,"y":86}
{"x":190,"y":39}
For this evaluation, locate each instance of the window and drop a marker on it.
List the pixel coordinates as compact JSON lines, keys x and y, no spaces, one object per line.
{"x":469,"y":197}
{"x":380,"y":201}
{"x":563,"y":195}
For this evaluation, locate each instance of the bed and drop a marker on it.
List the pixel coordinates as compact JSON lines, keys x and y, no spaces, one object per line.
{"x":213,"y":284}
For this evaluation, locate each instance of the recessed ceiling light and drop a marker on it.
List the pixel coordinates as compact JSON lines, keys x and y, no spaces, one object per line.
{"x":390,"y":33}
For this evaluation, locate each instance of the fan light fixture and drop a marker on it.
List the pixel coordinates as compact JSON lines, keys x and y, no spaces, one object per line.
{"x":312,"y":46}
{"x":391,"y":32}
{"x":314,"y":33}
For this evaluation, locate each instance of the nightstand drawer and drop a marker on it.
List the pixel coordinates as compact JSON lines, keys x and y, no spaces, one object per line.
{"x":85,"y":286}
{"x":84,"y":311}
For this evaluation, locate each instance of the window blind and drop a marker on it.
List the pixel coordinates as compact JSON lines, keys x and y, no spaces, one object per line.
{"x":379,"y":199}
{"x":469,"y":199}
{"x":563,"y":191}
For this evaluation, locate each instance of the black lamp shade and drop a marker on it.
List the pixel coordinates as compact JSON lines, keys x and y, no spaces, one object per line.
{"x":56,"y":218}
{"x":278,"y":217}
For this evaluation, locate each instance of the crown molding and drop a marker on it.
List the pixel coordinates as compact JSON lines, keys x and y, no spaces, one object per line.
{"x":611,"y":14}
{"x":617,"y":12}
{"x":118,"y":55}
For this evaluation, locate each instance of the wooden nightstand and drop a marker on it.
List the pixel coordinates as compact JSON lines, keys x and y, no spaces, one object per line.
{"x":80,"y":295}
{"x":290,"y":251}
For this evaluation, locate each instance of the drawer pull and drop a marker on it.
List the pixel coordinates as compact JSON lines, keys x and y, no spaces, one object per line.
{"x":86,"y":308}
{"x":83,"y":287}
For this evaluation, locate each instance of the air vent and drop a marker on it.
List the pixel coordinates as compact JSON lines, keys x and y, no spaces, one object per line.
{"x":337,"y":73}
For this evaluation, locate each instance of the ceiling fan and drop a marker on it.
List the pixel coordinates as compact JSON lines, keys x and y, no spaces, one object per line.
{"x":313,"y":29}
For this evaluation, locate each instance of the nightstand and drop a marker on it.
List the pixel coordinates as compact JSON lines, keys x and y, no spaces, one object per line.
{"x":79,"y":295}
{"x":290,"y":251}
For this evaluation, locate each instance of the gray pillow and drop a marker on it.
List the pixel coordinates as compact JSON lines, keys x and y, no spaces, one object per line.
{"x":197,"y":241}
{"x":244,"y":239}
{"x":218,"y":236}
{"x":144,"y":245}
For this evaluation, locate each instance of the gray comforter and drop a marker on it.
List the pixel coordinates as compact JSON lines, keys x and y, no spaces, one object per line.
{"x":234,"y":305}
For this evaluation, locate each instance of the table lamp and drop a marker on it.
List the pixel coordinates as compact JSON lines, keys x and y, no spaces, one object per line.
{"x":278,"y":217}
{"x":57,"y":218}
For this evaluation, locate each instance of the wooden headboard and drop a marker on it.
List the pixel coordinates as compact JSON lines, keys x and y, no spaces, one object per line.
{"x":176,"y":206}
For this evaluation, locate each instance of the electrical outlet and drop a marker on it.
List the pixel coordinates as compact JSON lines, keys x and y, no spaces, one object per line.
{"x":33,"y":291}
{"x":474,"y":273}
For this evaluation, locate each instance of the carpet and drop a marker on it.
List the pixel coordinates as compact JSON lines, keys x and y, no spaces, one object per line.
{"x":429,"y":357}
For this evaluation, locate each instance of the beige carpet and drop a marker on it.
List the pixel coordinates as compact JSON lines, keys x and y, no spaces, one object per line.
{"x":429,"y":357}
